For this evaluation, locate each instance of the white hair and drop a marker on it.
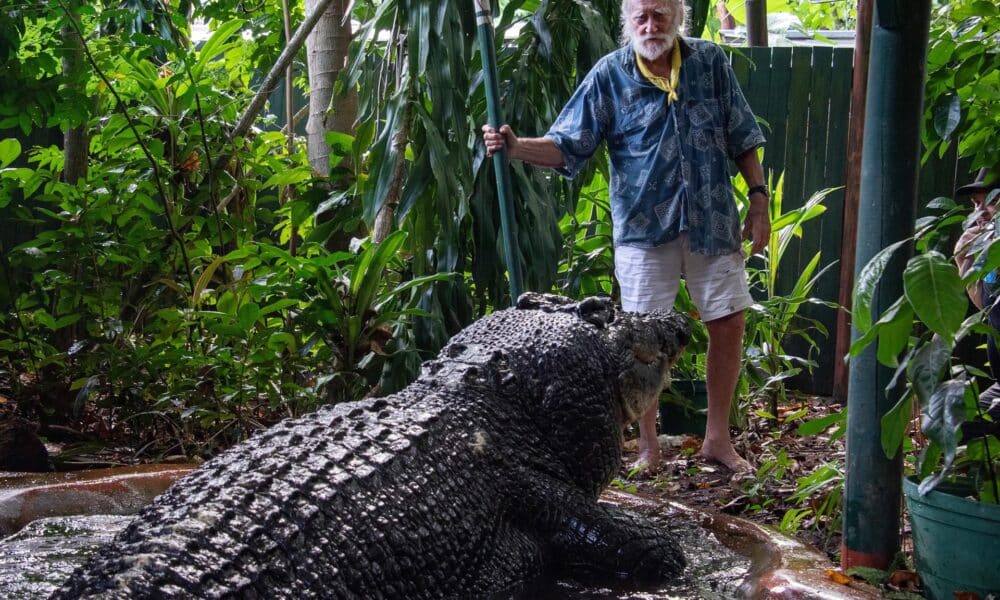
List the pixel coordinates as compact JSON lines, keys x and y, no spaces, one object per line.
{"x":679,"y":9}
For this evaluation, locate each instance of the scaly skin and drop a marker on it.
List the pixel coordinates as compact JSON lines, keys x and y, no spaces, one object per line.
{"x":477,"y":476}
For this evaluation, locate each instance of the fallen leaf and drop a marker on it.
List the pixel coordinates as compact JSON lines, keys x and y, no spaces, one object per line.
{"x":967,"y":596}
{"x":837,"y":577}
{"x":905,"y":580}
{"x":691,"y":443}
{"x":3,"y":399}
{"x":704,"y":485}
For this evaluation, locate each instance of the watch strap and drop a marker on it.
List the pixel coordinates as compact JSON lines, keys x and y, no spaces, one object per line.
{"x":758,"y":188}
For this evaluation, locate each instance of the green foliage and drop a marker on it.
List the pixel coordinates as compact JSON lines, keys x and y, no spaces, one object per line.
{"x":426,"y":121}
{"x":776,"y":318}
{"x":587,"y":264}
{"x":963,"y":82}
{"x":830,"y":15}
{"x":698,"y":11}
{"x":158,"y":291}
{"x":820,"y":499}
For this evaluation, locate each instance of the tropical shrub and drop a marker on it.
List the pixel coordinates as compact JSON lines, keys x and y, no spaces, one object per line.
{"x":775,"y":317}
{"x":182,"y":289}
{"x":963,"y":82}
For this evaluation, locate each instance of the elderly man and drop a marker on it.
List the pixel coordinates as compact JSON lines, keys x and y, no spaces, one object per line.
{"x":984,"y":293}
{"x":672,"y":115}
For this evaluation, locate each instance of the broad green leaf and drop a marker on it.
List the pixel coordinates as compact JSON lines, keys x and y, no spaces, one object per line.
{"x":66,"y":321}
{"x":370,"y":270}
{"x":815,"y":426}
{"x":205,"y":278}
{"x":896,"y":323}
{"x":248,"y":315}
{"x":936,"y":293}
{"x":216,"y":44}
{"x":947,"y":116}
{"x":10,"y":149}
{"x":287,"y":177}
{"x":407,"y":285}
{"x":865,"y":286}
{"x":281,"y":341}
{"x":894,"y":425}
{"x":279,"y":305}
{"x":943,"y":415}
{"x":928,"y":367}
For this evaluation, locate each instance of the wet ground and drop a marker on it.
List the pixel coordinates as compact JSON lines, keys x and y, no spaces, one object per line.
{"x":37,"y":559}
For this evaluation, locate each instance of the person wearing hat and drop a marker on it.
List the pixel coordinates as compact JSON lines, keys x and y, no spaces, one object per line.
{"x":984,"y":193}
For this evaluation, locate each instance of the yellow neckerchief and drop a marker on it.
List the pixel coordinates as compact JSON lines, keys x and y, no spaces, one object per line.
{"x":667,"y":84}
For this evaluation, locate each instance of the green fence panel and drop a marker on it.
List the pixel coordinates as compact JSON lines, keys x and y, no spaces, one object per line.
{"x":803,"y":94}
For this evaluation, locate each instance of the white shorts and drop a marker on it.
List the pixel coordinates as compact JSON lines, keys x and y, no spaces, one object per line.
{"x":650,"y":277}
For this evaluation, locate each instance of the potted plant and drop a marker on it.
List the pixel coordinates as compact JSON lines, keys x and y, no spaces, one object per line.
{"x":952,"y":492}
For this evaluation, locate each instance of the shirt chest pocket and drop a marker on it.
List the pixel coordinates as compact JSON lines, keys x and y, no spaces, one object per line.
{"x":641,"y":114}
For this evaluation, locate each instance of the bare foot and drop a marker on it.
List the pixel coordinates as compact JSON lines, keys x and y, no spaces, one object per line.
{"x":725,"y":455}
{"x":649,"y":456}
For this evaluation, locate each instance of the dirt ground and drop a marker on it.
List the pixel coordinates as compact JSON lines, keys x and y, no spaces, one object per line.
{"x":782,"y":458}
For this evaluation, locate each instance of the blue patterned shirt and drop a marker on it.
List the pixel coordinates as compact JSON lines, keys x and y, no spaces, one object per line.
{"x":669,"y":160}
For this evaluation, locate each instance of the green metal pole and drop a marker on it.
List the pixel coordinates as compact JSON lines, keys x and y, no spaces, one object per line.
{"x":508,"y":224}
{"x":886,"y":212}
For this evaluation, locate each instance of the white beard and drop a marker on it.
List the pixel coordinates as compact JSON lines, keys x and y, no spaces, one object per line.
{"x":653,"y":47}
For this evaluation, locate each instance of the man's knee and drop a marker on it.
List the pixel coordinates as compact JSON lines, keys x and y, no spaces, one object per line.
{"x":728,"y":325}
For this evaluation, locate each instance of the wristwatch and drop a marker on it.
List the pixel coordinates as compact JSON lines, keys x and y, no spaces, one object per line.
{"x":762,"y":189}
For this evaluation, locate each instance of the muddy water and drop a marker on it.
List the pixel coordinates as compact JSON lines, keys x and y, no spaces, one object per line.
{"x":34,"y":561}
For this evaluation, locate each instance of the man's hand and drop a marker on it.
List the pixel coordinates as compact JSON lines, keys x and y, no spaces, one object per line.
{"x":496,"y":141}
{"x":758,"y":225}
{"x":538,"y":151}
{"x":965,"y":258}
{"x":964,"y":254}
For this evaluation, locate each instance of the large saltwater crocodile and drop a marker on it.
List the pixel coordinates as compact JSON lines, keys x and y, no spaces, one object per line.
{"x":474,"y":478}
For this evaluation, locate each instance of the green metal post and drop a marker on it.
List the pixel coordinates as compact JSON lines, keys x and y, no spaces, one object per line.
{"x":484,"y":20}
{"x":886,"y":212}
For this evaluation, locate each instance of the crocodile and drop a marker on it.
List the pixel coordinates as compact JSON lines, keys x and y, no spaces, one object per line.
{"x":478,"y":476}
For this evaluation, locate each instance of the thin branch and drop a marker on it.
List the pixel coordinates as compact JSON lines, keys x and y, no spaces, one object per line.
{"x":120,"y":104}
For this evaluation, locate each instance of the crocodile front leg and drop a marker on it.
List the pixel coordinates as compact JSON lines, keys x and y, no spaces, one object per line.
{"x":588,"y":538}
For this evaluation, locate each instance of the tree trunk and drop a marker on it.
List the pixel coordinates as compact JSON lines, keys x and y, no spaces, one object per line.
{"x":756,"y":23}
{"x":75,"y":141}
{"x":327,"y":55}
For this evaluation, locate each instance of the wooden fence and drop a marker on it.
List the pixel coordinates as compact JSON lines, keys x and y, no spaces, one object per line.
{"x":803,"y":95}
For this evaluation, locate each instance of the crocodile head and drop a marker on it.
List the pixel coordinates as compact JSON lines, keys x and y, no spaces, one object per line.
{"x":645,"y":346}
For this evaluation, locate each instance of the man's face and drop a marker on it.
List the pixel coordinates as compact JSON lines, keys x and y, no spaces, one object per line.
{"x":984,"y":212}
{"x":652,"y":25}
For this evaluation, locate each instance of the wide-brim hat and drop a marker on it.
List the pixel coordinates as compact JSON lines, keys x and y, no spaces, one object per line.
{"x":986,"y":180}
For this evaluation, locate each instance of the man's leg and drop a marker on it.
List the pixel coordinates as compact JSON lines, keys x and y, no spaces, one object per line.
{"x":649,"y":279}
{"x":649,"y":444}
{"x":725,"y":348}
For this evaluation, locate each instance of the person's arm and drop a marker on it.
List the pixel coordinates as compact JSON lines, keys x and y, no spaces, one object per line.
{"x":758,"y":222}
{"x":964,"y":258}
{"x":540,"y":151}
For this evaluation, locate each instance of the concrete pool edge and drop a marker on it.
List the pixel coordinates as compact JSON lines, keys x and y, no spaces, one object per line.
{"x":781,"y":567}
